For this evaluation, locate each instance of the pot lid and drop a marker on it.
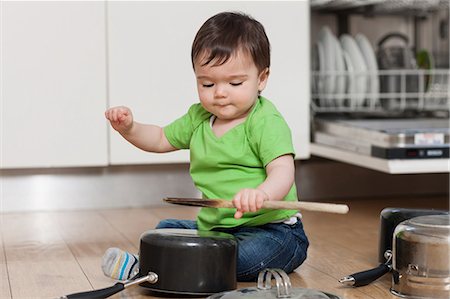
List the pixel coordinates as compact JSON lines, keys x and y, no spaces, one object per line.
{"x":295,"y":293}
{"x":283,"y":288}
{"x":432,"y":221}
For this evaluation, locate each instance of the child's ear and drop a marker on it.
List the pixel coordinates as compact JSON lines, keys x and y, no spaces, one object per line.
{"x":263,"y":77}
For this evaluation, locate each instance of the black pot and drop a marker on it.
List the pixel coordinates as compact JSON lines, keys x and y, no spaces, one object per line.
{"x":188,"y":262}
{"x":181,"y":262}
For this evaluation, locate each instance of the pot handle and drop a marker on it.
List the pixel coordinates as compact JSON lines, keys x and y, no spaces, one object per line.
{"x":398,"y":35}
{"x":101,"y":293}
{"x":109,"y":291}
{"x":365,"y":277}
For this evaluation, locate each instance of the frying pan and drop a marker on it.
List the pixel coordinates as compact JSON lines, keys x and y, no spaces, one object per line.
{"x":180,"y":262}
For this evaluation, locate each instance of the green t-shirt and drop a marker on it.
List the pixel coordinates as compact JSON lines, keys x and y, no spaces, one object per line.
{"x":221,"y":166}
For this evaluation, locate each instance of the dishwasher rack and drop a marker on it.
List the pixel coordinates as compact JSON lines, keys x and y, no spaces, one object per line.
{"x":381,"y":6}
{"x":381,"y":91}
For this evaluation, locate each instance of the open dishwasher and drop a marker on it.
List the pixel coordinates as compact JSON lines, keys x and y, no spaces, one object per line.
{"x":380,"y":98}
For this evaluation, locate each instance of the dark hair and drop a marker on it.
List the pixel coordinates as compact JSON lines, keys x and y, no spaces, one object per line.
{"x":225,"y":33}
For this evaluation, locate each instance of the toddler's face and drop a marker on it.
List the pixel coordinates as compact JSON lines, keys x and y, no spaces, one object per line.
{"x":229,"y":90}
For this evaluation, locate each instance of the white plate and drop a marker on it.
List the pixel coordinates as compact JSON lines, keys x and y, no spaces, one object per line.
{"x":359,"y":67}
{"x":325,"y":37}
{"x":373,"y":82}
{"x":350,"y":88}
{"x":320,"y":79}
{"x":340,"y":71}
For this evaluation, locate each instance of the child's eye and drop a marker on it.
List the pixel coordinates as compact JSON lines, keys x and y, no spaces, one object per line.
{"x":208,"y":85}
{"x":236,"y":83}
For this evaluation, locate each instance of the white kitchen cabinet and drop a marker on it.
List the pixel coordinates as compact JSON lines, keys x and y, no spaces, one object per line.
{"x":150,"y":71}
{"x":53,"y":84}
{"x":64,"y":63}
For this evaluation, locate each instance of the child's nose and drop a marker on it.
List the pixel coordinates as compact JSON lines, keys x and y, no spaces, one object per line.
{"x":220,"y":91}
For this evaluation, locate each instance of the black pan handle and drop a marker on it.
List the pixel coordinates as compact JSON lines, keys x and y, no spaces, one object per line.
{"x":106,"y":292}
{"x":97,"y":294}
{"x":365,"y":277}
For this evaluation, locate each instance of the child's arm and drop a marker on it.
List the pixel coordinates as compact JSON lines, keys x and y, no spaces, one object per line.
{"x":280,"y":177}
{"x":149,"y":138}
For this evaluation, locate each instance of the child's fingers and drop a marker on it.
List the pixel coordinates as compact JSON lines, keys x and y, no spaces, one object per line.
{"x":237,"y":201}
{"x":245,"y":197}
{"x":253,"y":203}
{"x":259,"y":203}
{"x":121,"y":117}
{"x":111,"y":114}
{"x":248,"y":200}
{"x":108,"y":114}
{"x":124,"y":114}
{"x":117,"y":114}
{"x":261,"y":198}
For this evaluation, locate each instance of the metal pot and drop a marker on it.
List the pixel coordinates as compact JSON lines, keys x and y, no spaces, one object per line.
{"x":181,"y":262}
{"x":421,"y":266}
{"x":390,"y":218}
{"x":396,"y":58}
{"x":188,"y":262}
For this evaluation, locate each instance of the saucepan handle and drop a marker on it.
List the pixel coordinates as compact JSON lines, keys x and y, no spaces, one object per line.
{"x":365,"y":277}
{"x":101,"y":293}
{"x":106,"y":292}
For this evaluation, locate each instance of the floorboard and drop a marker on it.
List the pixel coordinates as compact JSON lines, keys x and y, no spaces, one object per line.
{"x":4,"y":276}
{"x":39,"y":263}
{"x":89,"y":243}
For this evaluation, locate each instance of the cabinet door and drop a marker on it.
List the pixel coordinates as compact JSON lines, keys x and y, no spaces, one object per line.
{"x":53,"y":76}
{"x":149,"y":46}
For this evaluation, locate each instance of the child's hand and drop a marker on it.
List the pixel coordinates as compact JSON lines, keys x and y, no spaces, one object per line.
{"x":121,"y":118}
{"x":248,"y":200}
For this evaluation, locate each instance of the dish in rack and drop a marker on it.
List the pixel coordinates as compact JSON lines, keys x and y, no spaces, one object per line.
{"x":344,"y":70}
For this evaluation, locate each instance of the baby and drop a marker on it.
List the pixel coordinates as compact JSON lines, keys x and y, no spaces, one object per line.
{"x":240,"y":149}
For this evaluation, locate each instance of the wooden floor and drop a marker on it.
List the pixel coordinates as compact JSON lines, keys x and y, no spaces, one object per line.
{"x":50,"y":254}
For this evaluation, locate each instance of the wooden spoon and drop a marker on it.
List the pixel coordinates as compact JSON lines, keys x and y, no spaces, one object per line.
{"x":276,"y":205}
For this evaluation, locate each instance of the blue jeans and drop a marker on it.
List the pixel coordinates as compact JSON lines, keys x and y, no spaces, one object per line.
{"x":273,"y":245}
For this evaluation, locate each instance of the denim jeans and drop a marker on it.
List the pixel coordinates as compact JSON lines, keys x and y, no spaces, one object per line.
{"x":273,"y":245}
